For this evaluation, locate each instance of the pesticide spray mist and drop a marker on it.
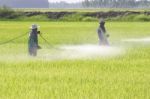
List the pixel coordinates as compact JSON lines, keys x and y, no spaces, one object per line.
{"x":68,"y":52}
{"x":138,"y":40}
{"x":91,"y":51}
{"x":83,"y":52}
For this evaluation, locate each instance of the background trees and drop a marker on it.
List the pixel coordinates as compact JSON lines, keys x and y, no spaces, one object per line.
{"x":117,"y":3}
{"x":85,"y":4}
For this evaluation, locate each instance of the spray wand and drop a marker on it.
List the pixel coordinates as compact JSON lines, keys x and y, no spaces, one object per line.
{"x":47,"y":42}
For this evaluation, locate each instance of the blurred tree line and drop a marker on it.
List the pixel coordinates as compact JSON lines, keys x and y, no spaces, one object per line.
{"x":85,"y":4}
{"x":63,"y":4}
{"x":117,"y":3}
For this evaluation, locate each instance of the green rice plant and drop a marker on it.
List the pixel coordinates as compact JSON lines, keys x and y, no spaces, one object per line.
{"x":124,"y":76}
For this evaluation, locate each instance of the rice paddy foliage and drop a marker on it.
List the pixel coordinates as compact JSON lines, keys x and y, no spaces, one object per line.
{"x":126,"y":76}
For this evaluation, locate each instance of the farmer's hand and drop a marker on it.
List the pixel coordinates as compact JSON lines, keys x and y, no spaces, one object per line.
{"x":38,"y":32}
{"x":107,"y":35}
{"x":39,"y":47}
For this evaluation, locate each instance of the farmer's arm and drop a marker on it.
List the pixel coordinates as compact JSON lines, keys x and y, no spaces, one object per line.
{"x":104,"y":30}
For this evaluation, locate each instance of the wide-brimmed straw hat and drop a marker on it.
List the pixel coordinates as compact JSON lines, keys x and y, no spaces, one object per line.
{"x":34,"y":26}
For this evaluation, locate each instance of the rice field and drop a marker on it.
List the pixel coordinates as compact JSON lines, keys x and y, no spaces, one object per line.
{"x":54,"y":75}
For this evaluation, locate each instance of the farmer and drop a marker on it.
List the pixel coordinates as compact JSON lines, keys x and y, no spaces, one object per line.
{"x":33,"y":40}
{"x":102,"y":33}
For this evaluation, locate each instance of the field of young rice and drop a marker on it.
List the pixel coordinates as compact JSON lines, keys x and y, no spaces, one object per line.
{"x":72,"y":65}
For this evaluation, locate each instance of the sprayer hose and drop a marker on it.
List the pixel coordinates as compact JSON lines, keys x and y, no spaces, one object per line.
{"x":13,"y":39}
{"x":49,"y":44}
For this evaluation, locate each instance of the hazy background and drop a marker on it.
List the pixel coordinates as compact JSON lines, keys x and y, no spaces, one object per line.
{"x":76,"y":3}
{"x":68,"y":1}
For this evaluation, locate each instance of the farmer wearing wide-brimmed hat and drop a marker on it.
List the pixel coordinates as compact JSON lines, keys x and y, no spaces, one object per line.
{"x":33,"y":40}
{"x":102,"y":33}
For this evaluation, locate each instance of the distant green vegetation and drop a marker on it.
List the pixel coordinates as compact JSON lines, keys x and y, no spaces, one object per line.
{"x":71,"y":15}
{"x":8,"y":13}
{"x":134,"y":17}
